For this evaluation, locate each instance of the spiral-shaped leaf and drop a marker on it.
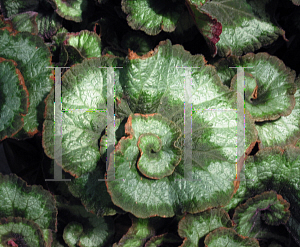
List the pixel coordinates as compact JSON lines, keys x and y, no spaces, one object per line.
{"x":30,"y":202}
{"x":152,"y":84}
{"x":273,"y":169}
{"x":85,"y":229}
{"x":17,"y":231}
{"x":268,"y":207}
{"x":84,"y":116}
{"x":282,"y":131}
{"x":156,"y":139}
{"x":269,"y":84}
{"x":193,"y":227}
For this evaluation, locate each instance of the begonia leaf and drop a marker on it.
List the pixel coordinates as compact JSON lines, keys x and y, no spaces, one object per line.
{"x":122,"y":109}
{"x":110,"y":129}
{"x":25,"y":22}
{"x":198,"y":2}
{"x":14,"y":101}
{"x":72,"y":54}
{"x":139,"y":232}
{"x":266,"y":208}
{"x":84,"y":88}
{"x":164,"y":239}
{"x":10,"y":8}
{"x":195,"y":226}
{"x":29,"y":51}
{"x":156,"y":138}
{"x":273,"y":169}
{"x":88,"y":188}
{"x":72,"y":233}
{"x":59,"y":37}
{"x":87,"y":43}
{"x":283,"y":131}
{"x":269,"y":84}
{"x":153,"y":84}
{"x":228,"y":237}
{"x":296,"y":2}
{"x":246,"y":25}
{"x":209,"y":27}
{"x":30,"y":202}
{"x":48,"y":24}
{"x":17,"y":231}
{"x":74,"y":10}
{"x":85,"y":229}
{"x":151,"y":16}
{"x":140,"y":43}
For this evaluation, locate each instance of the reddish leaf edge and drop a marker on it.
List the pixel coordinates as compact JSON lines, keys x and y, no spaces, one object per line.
{"x":22,"y":83}
{"x":27,"y":188}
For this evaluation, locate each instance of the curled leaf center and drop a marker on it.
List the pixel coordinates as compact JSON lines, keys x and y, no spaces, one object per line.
{"x":156,"y":137}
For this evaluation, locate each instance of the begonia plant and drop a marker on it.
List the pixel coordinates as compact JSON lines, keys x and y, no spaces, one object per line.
{"x":149,"y":123}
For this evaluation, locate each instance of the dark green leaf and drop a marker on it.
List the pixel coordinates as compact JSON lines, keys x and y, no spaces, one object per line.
{"x":14,"y":100}
{"x":17,"y":231}
{"x":228,"y":237}
{"x":268,"y":208}
{"x":29,"y":51}
{"x":153,"y":16}
{"x":195,"y":226}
